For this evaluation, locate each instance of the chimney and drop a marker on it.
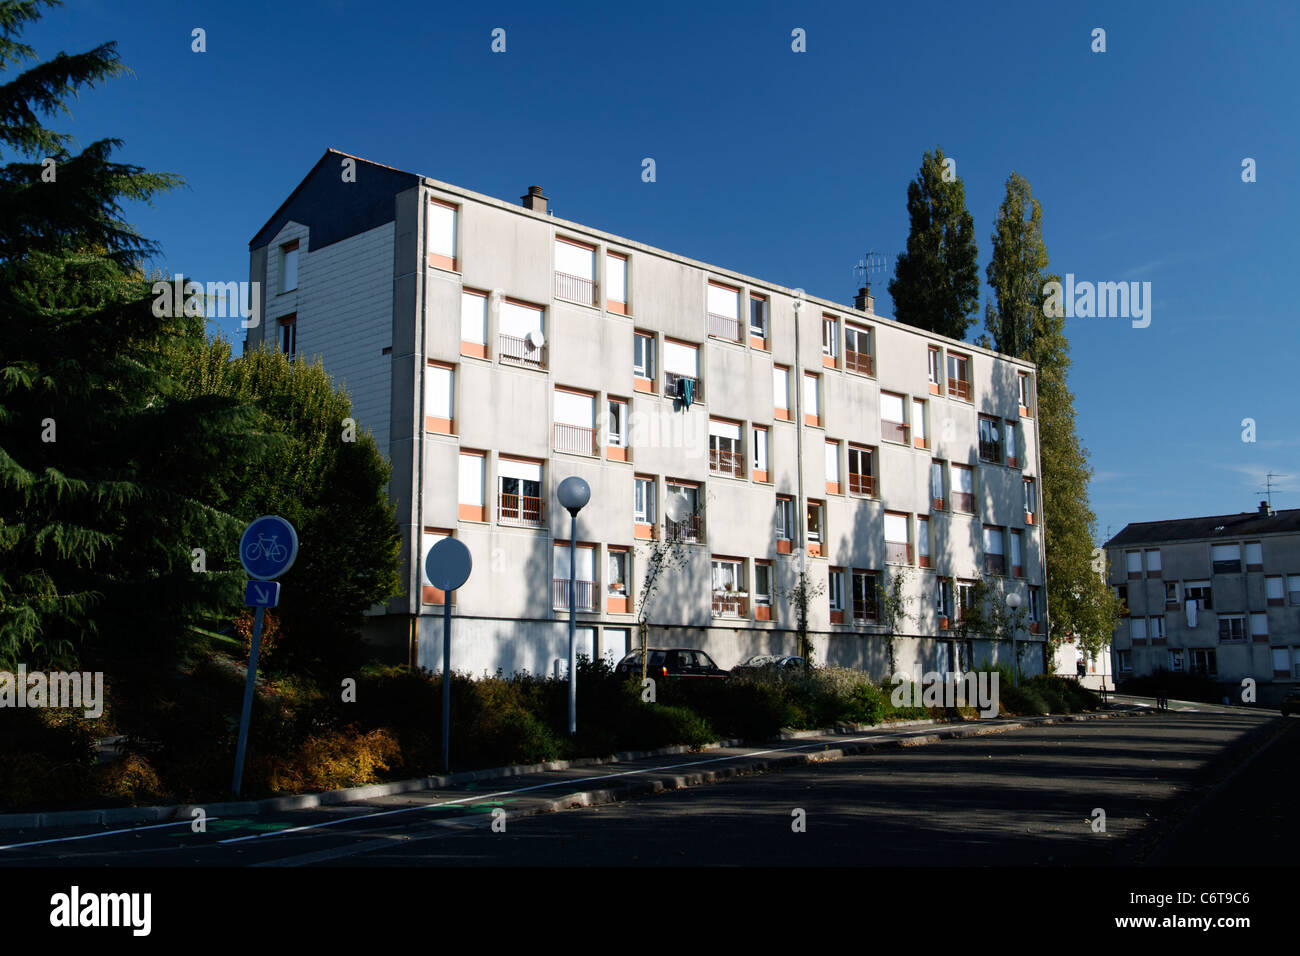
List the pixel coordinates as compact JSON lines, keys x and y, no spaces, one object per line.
{"x":864,"y":301}
{"x":534,"y":200}
{"x":1265,"y":509}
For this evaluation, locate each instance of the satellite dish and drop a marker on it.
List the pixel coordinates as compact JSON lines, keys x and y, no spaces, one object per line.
{"x":536,"y":339}
{"x":677,"y":507}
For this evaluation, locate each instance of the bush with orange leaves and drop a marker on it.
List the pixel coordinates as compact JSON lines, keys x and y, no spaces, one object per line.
{"x":270,"y":634}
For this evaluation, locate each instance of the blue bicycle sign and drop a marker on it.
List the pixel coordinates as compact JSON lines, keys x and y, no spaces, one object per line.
{"x":268,"y":547}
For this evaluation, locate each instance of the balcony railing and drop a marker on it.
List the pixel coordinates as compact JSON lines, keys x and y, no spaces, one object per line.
{"x":959,"y":388}
{"x":862,"y":484}
{"x":586,"y":591}
{"x":575,"y":438}
{"x":898,"y":552}
{"x":724,"y":327}
{"x":575,"y":288}
{"x":893,"y":431}
{"x":730,"y":604}
{"x":514,"y":349}
{"x":688,"y":529}
{"x":962,"y":501}
{"x":859,"y":362}
{"x":524,"y":510}
{"x":991,"y":450}
{"x":995,"y":564}
{"x":722,"y":462}
{"x":672,"y":386}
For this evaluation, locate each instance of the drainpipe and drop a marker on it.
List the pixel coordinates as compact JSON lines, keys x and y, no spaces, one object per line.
{"x":801,"y":515}
{"x":417,"y":538}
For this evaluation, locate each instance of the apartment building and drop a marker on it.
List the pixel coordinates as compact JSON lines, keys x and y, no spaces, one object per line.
{"x":494,"y":349}
{"x":1217,"y":596}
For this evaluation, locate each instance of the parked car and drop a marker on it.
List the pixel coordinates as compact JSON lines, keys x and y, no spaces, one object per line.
{"x":760,"y":662}
{"x":671,"y":662}
{"x":1291,"y":703}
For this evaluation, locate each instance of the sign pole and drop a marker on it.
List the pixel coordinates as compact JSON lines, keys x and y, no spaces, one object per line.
{"x":250,"y":688}
{"x":446,"y":681}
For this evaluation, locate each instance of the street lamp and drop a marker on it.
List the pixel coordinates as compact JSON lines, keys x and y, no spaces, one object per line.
{"x":1013,"y":602}
{"x":573,"y":493}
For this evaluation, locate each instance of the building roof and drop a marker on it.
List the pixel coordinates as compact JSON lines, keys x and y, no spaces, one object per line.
{"x":1247,"y":523}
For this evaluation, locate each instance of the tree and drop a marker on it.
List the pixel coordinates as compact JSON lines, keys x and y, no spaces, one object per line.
{"x":893,"y":604}
{"x":103,"y":468}
{"x":1078,"y":601}
{"x":936,"y":281}
{"x":801,"y":595}
{"x":660,"y":556}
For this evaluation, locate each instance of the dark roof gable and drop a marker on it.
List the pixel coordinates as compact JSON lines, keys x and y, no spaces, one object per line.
{"x":1228,"y":527}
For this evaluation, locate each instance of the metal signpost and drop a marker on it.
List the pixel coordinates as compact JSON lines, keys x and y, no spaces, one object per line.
{"x":447,"y":568}
{"x":267,"y":549}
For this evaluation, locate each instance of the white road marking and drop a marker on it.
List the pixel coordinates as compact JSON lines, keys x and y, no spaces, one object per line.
{"x":92,"y":836}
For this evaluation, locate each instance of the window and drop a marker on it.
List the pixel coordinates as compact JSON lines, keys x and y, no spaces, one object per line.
{"x":995,"y":561}
{"x":1226,"y":558}
{"x":616,"y":429}
{"x":763,"y":589}
{"x":682,"y":371}
{"x":473,"y":324}
{"x":990,"y":439}
{"x":857,"y":350}
{"x":730,"y":599}
{"x":575,"y":422}
{"x":1125,"y":660}
{"x":893,"y":418}
{"x":1259,"y":625}
{"x":470,"y":486}
{"x":1293,"y":589}
{"x":519,"y":492}
{"x":835,"y":594}
{"x":963,"y":489}
{"x":1031,"y":501}
{"x":439,"y":391}
{"x":643,"y":506}
{"x":616,"y":283}
{"x":584,"y":584}
{"x":812,"y":399}
{"x":1009,"y":432}
{"x":760,"y":468}
{"x":1025,"y":408}
{"x":1275,"y":591}
{"x":1035,"y":605}
{"x":575,"y":271}
{"x":938,"y":499}
{"x":1203,"y":662}
{"x":785,"y":529}
{"x":726,"y":453}
{"x":758,"y":321}
{"x":724,"y":312}
{"x":1134,"y":563}
{"x":1171,"y":596}
{"x":1282,"y":662}
{"x":643,"y":361}
{"x":516,"y":342}
{"x":833,"y":467}
{"x":1121,"y":593}
{"x":862,"y":470}
{"x":781,"y":392}
{"x":965,"y":598}
{"x":918,"y":423}
{"x":898,"y":542}
{"x":616,"y":580}
{"x":1153,"y":563}
{"x":428,"y":593}
{"x":922,"y":541}
{"x":1201,"y":593}
{"x":289,"y":266}
{"x":1156,"y":628}
{"x":830,"y":340}
{"x":1254,"y":556}
{"x":690,"y":528}
{"x":943,"y":601}
{"x":1017,"y":554}
{"x":289,"y":336}
{"x":866,"y":608}
{"x":816,"y":531}
{"x":959,"y":376}
{"x":1137,"y":629}
{"x":1176,"y":662}
{"x":936,"y":371}
{"x":442,"y":234}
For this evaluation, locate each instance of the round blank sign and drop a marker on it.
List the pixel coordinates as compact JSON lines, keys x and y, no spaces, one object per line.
{"x":448,"y":564}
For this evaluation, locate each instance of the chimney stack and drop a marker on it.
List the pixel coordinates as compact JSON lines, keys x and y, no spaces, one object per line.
{"x":863,"y":301}
{"x":534,"y":200}
{"x":1265,"y":509}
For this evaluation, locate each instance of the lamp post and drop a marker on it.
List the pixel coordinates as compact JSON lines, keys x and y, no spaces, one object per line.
{"x":1013,"y":602}
{"x":573,"y":493}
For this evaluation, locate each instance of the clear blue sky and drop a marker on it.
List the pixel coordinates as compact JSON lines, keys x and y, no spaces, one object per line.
{"x":790,"y":166}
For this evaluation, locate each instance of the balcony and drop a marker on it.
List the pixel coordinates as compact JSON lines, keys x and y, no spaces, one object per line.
{"x":991,"y":451}
{"x":898,"y":552}
{"x":517,"y":351}
{"x":964,"y":502}
{"x":673,"y":386}
{"x":688,"y":529}
{"x":862,"y":484}
{"x":959,"y":388}
{"x":730,"y":604}
{"x":575,"y":289}
{"x":995,"y":564}
{"x":524,"y":511}
{"x":724,"y":327}
{"x":586,"y":591}
{"x":893,"y":431}
{"x":722,"y":462}
{"x":938,"y":504}
{"x":576,"y":439}
{"x":859,"y":362}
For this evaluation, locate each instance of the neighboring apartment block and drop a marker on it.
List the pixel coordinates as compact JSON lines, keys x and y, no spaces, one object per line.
{"x":494,"y":349}
{"x":1217,"y":596}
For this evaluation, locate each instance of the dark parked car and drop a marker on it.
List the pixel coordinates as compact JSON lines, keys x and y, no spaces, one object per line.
{"x":671,"y":662}
{"x":1291,"y":703}
{"x":762,"y":662}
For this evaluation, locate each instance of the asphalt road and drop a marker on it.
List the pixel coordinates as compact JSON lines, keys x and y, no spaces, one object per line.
{"x":1025,"y":797}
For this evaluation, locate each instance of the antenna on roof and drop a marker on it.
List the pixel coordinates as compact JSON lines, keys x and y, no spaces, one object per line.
{"x":873,"y":263}
{"x":1268,"y":488}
